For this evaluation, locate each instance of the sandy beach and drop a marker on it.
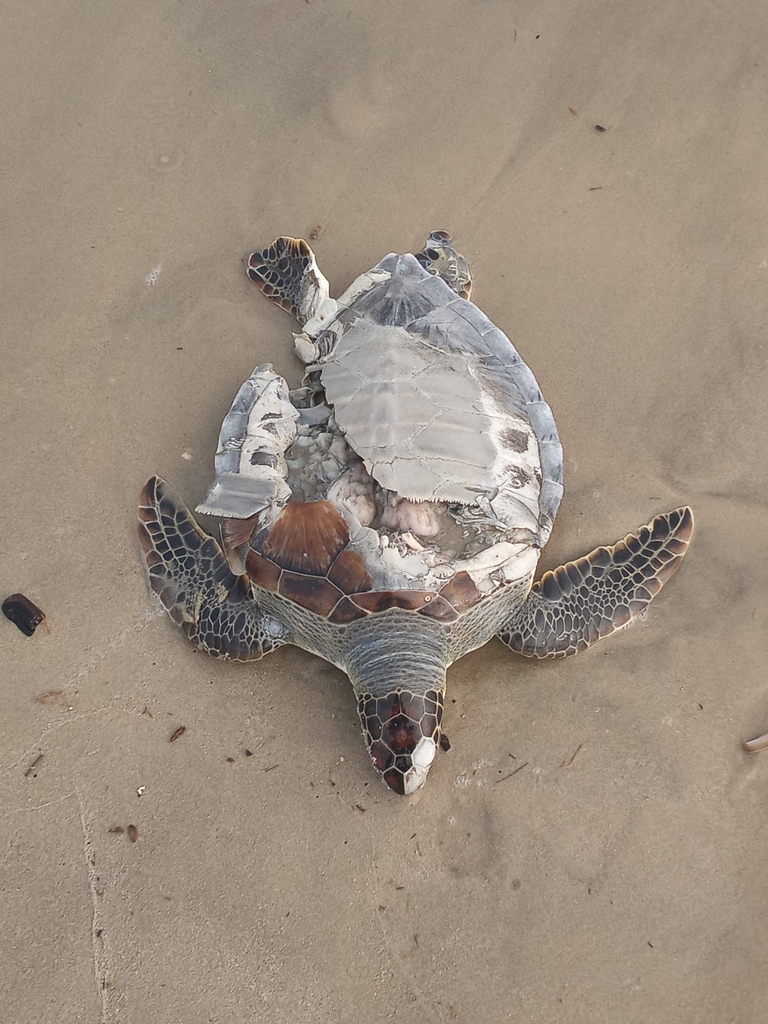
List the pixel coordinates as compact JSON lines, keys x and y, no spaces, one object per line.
{"x":620,"y":876}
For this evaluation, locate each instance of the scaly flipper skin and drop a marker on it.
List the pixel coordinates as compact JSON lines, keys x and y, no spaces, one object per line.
{"x":579,"y":603}
{"x":440,"y":258}
{"x":287,"y":273}
{"x":188,"y":572}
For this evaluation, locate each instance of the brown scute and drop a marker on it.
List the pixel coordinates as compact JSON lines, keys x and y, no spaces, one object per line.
{"x":621,"y":616}
{"x":382,"y":757}
{"x":621,"y":552}
{"x":600,"y":559}
{"x":262,"y":571}
{"x":639,"y":541}
{"x":168,"y":596}
{"x":285,"y":246}
{"x":151,"y":557}
{"x":145,"y":539}
{"x":318,"y":595}
{"x":394,"y":779}
{"x":668,"y":571}
{"x":349,"y":574}
{"x":381,"y":600}
{"x":282,"y":249}
{"x":399,"y":720}
{"x":677,"y":545}
{"x":461,"y":592}
{"x":667,"y":536}
{"x":438,"y":608}
{"x":555,"y":583}
{"x":147,"y":500}
{"x":307,"y":537}
{"x":345,"y":612}
{"x":574,"y":573}
{"x":236,"y":532}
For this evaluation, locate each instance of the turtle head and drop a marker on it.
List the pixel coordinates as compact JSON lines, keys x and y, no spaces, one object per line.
{"x":396,"y":661}
{"x":440,"y":258}
{"x":402,"y":733}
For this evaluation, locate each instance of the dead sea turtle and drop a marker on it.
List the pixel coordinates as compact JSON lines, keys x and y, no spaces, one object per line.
{"x":388,"y":516}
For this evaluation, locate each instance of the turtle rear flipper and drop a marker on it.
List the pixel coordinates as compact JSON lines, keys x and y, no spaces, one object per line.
{"x":287,"y":273}
{"x":188,"y":572}
{"x":581,"y":602}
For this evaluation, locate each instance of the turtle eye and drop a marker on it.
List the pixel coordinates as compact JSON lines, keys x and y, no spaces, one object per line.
{"x":433,"y":254}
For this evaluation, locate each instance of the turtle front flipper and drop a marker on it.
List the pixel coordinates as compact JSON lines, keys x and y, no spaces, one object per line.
{"x":250,"y":461}
{"x":287,"y":273}
{"x":188,"y":572}
{"x":579,"y":603}
{"x":440,"y":258}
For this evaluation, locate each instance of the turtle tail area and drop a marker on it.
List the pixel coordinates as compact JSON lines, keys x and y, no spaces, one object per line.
{"x":579,"y":603}
{"x":188,"y":572}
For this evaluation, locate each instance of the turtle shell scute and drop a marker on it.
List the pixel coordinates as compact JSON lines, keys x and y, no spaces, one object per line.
{"x":308,"y":537}
{"x":382,"y":600}
{"x":461,"y":592}
{"x":307,"y":559}
{"x":345,"y":611}
{"x":313,"y":592}
{"x":349,"y":574}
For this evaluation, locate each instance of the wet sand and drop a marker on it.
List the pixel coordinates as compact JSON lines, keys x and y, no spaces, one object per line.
{"x":147,"y":148}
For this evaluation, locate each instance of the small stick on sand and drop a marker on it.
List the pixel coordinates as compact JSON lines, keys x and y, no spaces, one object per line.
{"x":518,"y":769}
{"x":34,"y":765}
{"x":567,"y":764}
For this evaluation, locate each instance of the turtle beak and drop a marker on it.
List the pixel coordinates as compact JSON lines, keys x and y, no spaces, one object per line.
{"x":402,"y":730}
